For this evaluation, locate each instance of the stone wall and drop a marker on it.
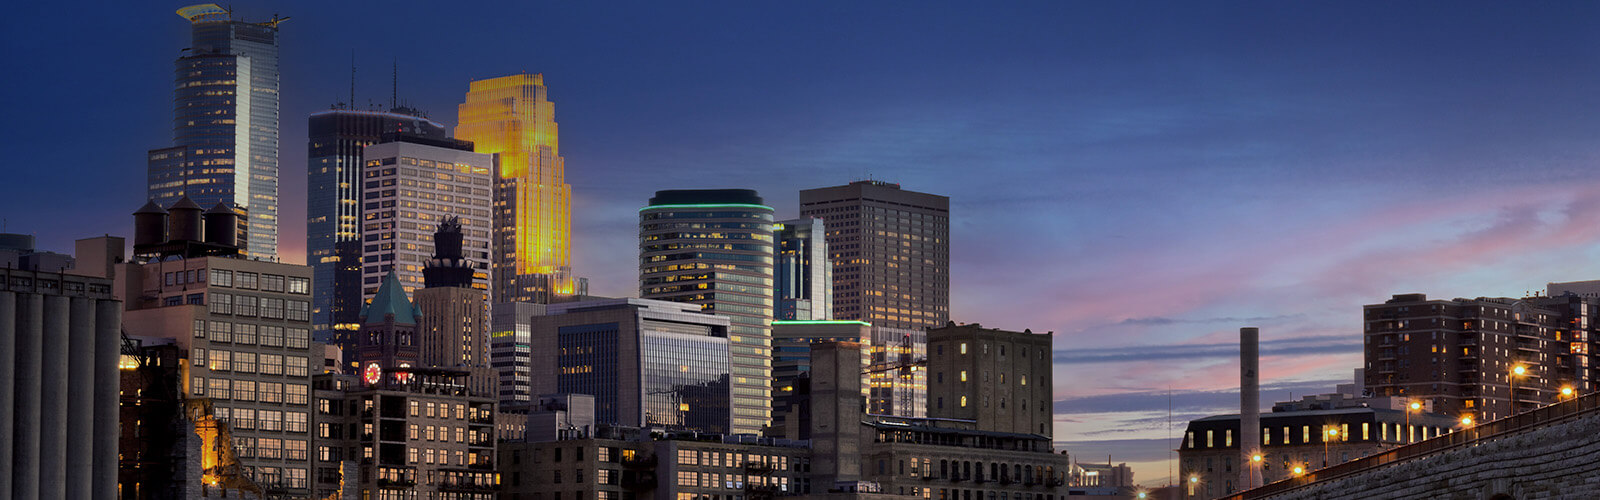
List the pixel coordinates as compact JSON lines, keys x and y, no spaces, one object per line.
{"x":1557,"y":462}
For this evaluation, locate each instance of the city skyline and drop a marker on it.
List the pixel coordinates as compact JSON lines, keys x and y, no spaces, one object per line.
{"x":1358,"y":153}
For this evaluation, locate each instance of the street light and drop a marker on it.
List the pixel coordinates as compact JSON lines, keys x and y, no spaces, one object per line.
{"x":1566,"y":392}
{"x":1516,"y":371}
{"x":1332,"y":433}
{"x":1299,"y":469}
{"x":1414,"y":406}
{"x":1255,"y":465}
{"x":1466,"y":421}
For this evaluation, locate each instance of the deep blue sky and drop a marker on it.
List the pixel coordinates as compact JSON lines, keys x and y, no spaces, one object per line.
{"x":1142,"y":178}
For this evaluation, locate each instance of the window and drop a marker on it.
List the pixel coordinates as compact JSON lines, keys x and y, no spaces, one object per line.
{"x":294,"y":421}
{"x":963,"y":401}
{"x":244,"y":333}
{"x":244,"y":418}
{"x":299,"y":310}
{"x":963,"y":375}
{"x":963,"y":348}
{"x":271,"y":336}
{"x":271,"y":308}
{"x":299,"y":338}
{"x":270,"y":392}
{"x":272,"y":283}
{"x":247,"y":280}
{"x":244,"y":390}
{"x":218,"y":389}
{"x":244,"y":362}
{"x":198,"y":356}
{"x":221,"y":278}
{"x":199,"y":328}
{"x":221,"y":303}
{"x":1211,"y":439}
{"x":685,"y":457}
{"x":269,"y":420}
{"x":221,"y":361}
{"x":296,"y":367}
{"x":301,"y":286}
{"x":246,"y":305}
{"x":271,"y":364}
{"x":295,"y":394}
{"x":197,"y":386}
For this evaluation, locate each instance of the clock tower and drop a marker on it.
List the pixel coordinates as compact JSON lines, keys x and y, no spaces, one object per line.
{"x":387,"y":348}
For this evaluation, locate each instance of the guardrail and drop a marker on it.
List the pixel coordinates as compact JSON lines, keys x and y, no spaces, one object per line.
{"x":1532,"y":419}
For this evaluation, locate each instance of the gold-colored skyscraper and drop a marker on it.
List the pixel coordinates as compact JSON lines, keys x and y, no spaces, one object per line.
{"x":511,"y":117}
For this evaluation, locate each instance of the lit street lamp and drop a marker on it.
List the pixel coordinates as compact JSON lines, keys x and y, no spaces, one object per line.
{"x":1516,"y":371}
{"x":1566,"y":392}
{"x":1328,"y":436}
{"x":1255,"y":465}
{"x":1414,"y":406}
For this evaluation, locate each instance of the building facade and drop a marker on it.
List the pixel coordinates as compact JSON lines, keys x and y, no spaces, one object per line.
{"x":1463,"y":355}
{"x":59,"y":352}
{"x":1308,"y":439}
{"x":803,"y":271}
{"x":714,"y":248}
{"x":620,"y":464}
{"x":411,"y":186}
{"x":393,"y":436}
{"x":511,"y":351}
{"x":334,"y":175}
{"x":512,"y":117}
{"x":1000,"y":379}
{"x":225,"y":123}
{"x":791,"y":369}
{"x":244,"y":327}
{"x":891,"y":252}
{"x":647,"y":363}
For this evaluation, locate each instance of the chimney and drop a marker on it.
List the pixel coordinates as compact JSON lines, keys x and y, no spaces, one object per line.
{"x":1249,"y":404}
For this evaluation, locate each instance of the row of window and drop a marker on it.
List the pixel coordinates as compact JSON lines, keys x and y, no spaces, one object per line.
{"x":245,"y":280}
{"x":251,"y":362}
{"x":251,"y":334}
{"x":264,"y":420}
{"x":265,"y":307}
{"x":250,"y":390}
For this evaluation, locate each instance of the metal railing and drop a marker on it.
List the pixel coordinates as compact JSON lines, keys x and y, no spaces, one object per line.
{"x":1487,"y":431}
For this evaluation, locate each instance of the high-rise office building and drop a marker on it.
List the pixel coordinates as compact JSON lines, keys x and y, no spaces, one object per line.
{"x":225,"y":123}
{"x":648,"y":363}
{"x":898,"y":373}
{"x":891,"y":252}
{"x":803,"y":271}
{"x":1462,"y":356}
{"x":713,"y":247}
{"x":411,"y":185}
{"x":998,"y":379}
{"x":511,"y":117}
{"x":334,"y":176}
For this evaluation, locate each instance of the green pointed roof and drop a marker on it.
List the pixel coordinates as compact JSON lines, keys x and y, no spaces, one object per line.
{"x":391,"y":299}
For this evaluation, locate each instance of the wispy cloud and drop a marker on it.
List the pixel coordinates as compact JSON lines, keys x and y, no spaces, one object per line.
{"x":1324,"y":344}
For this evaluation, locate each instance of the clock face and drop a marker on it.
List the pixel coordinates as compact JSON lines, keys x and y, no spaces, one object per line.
{"x":372,"y":374}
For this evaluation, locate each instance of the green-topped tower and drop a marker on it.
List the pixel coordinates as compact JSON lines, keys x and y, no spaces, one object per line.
{"x":388,"y":341}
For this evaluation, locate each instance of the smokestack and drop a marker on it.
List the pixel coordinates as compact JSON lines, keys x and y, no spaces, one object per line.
{"x":1249,"y":404}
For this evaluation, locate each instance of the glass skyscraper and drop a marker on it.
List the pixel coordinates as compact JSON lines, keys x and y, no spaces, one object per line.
{"x":714,"y":248}
{"x":225,"y":123}
{"x":804,"y":273}
{"x":333,"y":205}
{"x":511,"y":117}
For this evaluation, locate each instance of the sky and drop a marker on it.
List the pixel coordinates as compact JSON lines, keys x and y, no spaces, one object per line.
{"x":1141,"y":178}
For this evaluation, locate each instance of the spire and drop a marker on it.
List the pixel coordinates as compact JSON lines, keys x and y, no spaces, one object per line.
{"x":391,"y":299}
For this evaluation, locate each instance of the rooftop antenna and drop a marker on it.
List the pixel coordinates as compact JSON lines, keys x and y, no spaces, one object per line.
{"x":352,"y":78}
{"x":394,"y":85}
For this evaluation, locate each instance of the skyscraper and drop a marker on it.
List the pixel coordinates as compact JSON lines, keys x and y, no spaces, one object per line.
{"x":511,"y":117}
{"x":804,"y":273}
{"x":891,"y":252}
{"x":333,"y":207}
{"x":713,"y":247}
{"x":225,"y":123}
{"x":412,"y":184}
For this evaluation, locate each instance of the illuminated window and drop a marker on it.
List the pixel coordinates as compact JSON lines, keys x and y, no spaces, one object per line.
{"x":963,"y":348}
{"x":963,"y":401}
{"x":963,"y":375}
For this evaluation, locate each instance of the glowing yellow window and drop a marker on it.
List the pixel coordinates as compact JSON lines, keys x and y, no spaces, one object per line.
{"x":963,"y":375}
{"x":963,"y":348}
{"x":963,"y":401}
